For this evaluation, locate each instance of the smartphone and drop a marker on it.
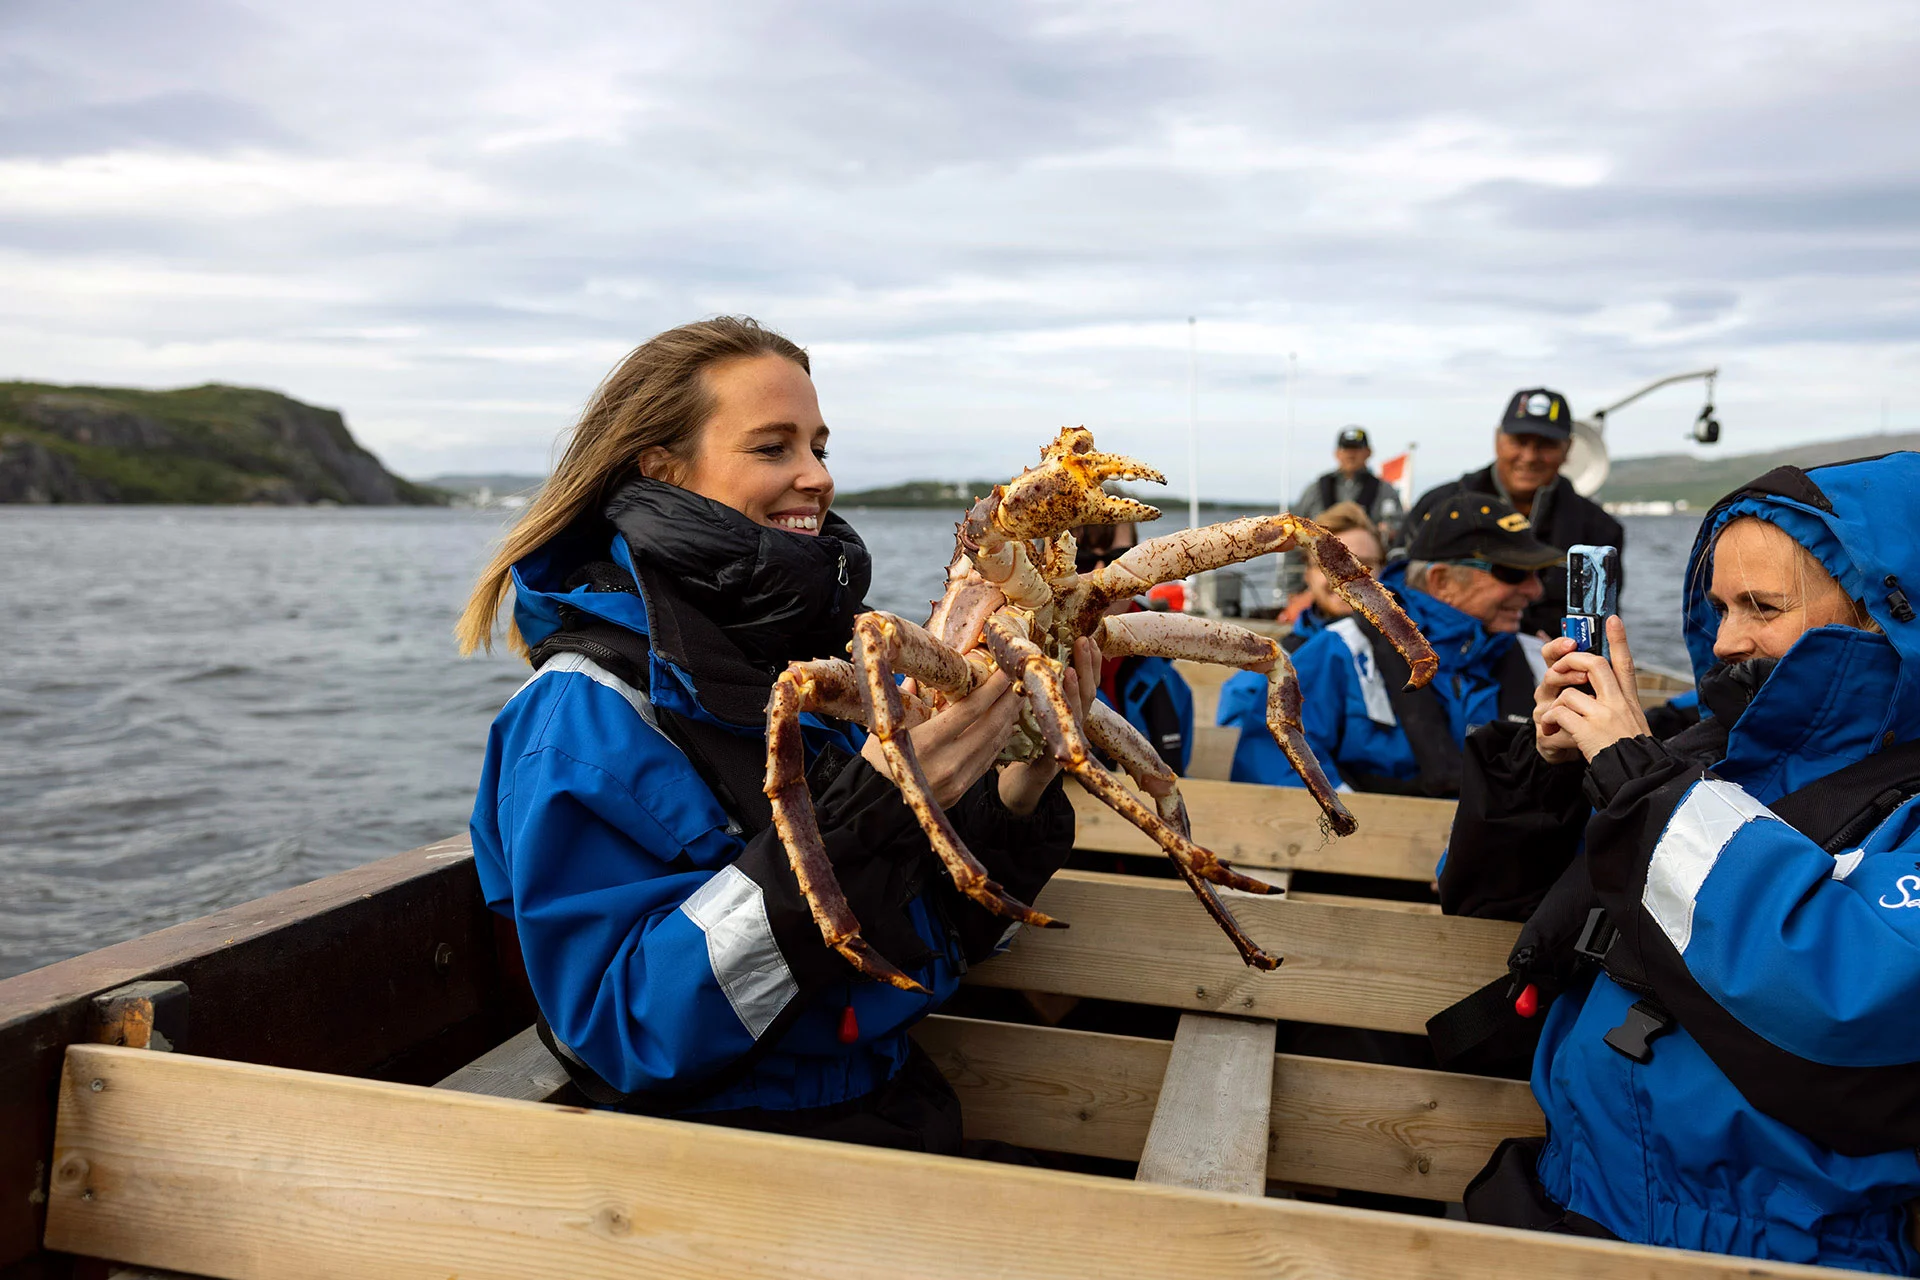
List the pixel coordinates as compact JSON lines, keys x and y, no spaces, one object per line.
{"x":1593,"y":596}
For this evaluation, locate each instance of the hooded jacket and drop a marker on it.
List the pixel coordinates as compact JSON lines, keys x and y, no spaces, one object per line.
{"x":664,"y":940}
{"x":1354,"y":715}
{"x":1780,"y":1114}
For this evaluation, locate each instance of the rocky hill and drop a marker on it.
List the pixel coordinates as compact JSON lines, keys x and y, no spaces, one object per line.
{"x":1702,"y":481}
{"x":211,"y":444}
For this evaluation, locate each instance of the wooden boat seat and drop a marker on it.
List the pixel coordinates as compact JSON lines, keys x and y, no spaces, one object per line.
{"x":1215,"y":1109}
{"x":230,"y":1169}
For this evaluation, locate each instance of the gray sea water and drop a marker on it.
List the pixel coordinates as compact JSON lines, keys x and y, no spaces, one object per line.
{"x":199,"y":706}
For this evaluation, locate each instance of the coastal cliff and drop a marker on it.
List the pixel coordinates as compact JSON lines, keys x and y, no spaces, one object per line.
{"x":210,"y":444}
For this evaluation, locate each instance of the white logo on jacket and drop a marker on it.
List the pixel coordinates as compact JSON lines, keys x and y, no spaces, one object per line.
{"x":1908,"y":887}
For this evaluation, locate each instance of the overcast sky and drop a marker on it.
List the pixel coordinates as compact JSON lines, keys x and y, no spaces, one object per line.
{"x":985,"y":219}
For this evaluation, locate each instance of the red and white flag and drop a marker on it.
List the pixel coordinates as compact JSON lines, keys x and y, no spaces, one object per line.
{"x":1398,"y":472}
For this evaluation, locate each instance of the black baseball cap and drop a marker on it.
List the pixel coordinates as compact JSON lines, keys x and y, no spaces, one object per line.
{"x":1352,"y":438}
{"x":1538,"y":412}
{"x":1478,"y":526}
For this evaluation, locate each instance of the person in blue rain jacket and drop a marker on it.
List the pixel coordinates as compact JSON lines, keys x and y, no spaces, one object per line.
{"x":1472,"y":568}
{"x":1742,"y":1073}
{"x":682,"y":553}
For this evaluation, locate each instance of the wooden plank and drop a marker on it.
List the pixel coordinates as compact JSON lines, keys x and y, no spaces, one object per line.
{"x":344,"y":974}
{"x":1209,"y":1128}
{"x":239,"y":1171}
{"x":1400,"y":837}
{"x":1393,"y":1129}
{"x":1213,"y":749}
{"x":1150,"y":942}
{"x":1372,"y":904}
{"x":1081,"y":1092}
{"x":521,"y":1068}
{"x":1354,"y":1125}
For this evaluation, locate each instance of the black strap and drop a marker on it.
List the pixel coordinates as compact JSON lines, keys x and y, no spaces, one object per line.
{"x":1482,"y":1033}
{"x":1838,"y":811}
{"x":733,"y":765}
{"x":1423,"y":718}
{"x":1369,"y":492}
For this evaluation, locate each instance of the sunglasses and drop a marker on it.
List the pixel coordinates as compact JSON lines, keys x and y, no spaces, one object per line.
{"x":1501,"y":572}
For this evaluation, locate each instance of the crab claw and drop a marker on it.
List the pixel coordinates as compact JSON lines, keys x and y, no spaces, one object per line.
{"x":1064,"y":490}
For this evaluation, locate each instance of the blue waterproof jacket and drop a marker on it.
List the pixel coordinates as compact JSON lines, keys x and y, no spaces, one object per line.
{"x":1346,"y":707}
{"x":661,"y":946}
{"x":1792,"y":969}
{"x":1156,"y":700}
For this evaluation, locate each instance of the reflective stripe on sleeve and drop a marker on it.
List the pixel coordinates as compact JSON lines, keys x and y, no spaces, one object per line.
{"x":580,"y":663}
{"x":732,"y":911}
{"x":1710,"y":816}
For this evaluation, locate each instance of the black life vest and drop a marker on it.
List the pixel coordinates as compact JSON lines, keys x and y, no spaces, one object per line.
{"x":1369,"y":490}
{"x":1569,"y":934}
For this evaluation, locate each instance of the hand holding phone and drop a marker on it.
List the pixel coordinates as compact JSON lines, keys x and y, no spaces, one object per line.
{"x":1593,"y":596}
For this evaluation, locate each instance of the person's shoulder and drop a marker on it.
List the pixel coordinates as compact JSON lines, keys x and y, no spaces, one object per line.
{"x":1593,"y":516}
{"x":578,"y":708}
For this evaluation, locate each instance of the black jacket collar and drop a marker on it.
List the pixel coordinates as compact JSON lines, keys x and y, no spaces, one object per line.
{"x":731,"y":602}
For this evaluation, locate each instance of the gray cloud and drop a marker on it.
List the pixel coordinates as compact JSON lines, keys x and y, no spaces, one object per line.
{"x":181,"y":121}
{"x":987,"y":219}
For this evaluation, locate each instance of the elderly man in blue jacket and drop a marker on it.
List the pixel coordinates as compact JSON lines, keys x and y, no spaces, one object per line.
{"x":1472,"y":569}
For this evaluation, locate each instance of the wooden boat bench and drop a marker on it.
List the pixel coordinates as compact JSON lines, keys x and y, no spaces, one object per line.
{"x":1216,"y":1109}
{"x":214,"y":1167}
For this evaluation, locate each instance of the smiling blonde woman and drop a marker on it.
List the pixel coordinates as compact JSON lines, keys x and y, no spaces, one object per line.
{"x":683,"y":553}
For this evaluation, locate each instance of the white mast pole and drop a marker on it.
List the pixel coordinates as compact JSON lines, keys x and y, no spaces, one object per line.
{"x":1193,"y":450}
{"x":1193,"y":422}
{"x":1286,"y":452}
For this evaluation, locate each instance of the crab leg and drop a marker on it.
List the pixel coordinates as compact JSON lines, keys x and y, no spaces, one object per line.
{"x":1191,"y":551}
{"x":827,"y":685}
{"x":1179,"y":635}
{"x":880,"y":643}
{"x":1111,"y":732}
{"x":1047,"y":698}
{"x":960,"y":614}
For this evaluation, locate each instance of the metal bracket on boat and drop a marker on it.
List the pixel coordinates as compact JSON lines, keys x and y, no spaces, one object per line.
{"x":142,"y":1015}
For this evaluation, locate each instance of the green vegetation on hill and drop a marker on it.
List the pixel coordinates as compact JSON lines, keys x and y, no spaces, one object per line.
{"x":1700,"y":482}
{"x":917,"y":493}
{"x":209,"y":444}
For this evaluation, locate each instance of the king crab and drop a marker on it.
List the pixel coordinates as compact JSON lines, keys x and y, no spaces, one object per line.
{"x":1014,"y":601}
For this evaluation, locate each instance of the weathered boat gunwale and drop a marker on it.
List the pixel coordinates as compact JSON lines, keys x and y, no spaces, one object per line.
{"x":386,"y":1001}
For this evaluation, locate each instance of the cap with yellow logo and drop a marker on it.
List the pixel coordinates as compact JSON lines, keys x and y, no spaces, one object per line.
{"x":1478,"y":526}
{"x":1538,"y":412}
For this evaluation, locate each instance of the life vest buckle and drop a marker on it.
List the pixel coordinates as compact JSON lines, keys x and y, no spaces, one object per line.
{"x":1637,"y":1031}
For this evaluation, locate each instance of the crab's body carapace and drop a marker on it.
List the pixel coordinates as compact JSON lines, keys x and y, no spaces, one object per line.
{"x":1014,"y":601}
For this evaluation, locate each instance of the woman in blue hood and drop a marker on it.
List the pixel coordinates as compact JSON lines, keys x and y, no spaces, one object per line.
{"x":1732,"y":1062}
{"x":682,"y":554}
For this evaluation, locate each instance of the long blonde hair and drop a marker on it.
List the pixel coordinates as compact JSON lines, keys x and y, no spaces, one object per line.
{"x":656,"y":396}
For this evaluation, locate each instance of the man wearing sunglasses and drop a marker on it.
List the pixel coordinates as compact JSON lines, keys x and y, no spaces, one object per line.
{"x":1472,"y":571}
